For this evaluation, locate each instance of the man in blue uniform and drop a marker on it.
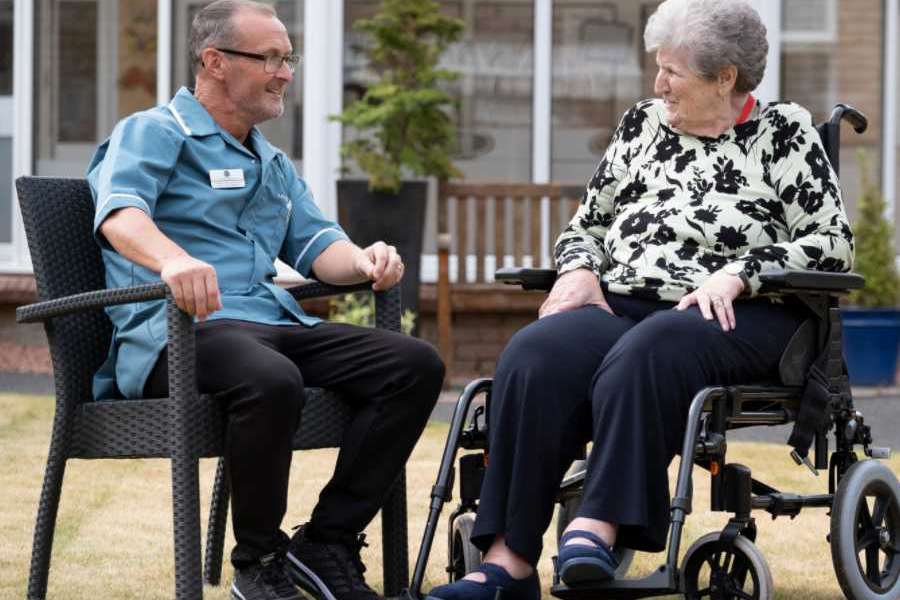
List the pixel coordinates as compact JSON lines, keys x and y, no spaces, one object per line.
{"x":192,"y":193}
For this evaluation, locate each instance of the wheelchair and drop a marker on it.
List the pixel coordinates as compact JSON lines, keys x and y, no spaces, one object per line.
{"x":812,"y":392}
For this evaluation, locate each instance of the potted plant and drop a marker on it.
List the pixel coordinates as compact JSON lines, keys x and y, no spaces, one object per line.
{"x":871,"y":324}
{"x":399,"y":128}
{"x":359,"y":309}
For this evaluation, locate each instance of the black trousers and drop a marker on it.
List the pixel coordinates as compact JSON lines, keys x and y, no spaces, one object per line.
{"x":624,"y":381}
{"x":260,"y":371}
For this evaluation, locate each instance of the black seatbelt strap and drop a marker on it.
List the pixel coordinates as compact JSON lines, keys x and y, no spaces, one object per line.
{"x":823,"y":383}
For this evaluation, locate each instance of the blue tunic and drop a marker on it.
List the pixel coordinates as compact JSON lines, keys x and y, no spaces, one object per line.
{"x":223,"y":204}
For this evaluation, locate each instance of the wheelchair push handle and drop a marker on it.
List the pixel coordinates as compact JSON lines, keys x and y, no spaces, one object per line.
{"x":858,"y":120}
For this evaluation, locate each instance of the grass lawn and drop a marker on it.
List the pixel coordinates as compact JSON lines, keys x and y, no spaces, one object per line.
{"x":113,"y":536}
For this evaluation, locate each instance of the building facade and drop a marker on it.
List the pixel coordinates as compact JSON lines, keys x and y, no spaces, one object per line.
{"x":542,"y":83}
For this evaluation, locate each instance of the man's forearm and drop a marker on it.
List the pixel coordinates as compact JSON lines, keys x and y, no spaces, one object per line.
{"x":337,"y":264}
{"x":135,"y":236}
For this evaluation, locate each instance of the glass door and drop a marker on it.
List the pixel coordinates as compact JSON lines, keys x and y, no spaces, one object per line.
{"x":95,"y":62}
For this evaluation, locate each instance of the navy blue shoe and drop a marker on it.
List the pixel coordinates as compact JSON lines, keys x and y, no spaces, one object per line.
{"x":579,"y":563}
{"x":496,"y":579}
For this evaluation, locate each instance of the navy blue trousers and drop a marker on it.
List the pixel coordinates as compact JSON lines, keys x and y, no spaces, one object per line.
{"x":625,"y":382}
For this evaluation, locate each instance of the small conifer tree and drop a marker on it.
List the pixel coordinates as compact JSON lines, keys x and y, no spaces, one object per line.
{"x":875,"y":254}
{"x":401,"y":121}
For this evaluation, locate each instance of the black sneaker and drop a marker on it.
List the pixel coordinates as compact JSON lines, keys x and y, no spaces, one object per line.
{"x":266,"y":580}
{"x":329,"y":570}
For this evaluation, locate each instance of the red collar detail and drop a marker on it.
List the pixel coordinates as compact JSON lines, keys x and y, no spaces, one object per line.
{"x":748,"y":107}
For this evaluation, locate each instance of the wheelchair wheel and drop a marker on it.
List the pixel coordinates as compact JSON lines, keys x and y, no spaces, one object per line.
{"x":740,"y":572}
{"x":568,"y":510}
{"x":865,"y":532}
{"x":464,"y":557}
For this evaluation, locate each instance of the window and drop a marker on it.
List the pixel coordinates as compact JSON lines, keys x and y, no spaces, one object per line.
{"x":809,"y":20}
{"x":494,"y":89}
{"x":6,"y":47}
{"x":818,"y":71}
{"x":95,"y":63}
{"x":600,"y":69}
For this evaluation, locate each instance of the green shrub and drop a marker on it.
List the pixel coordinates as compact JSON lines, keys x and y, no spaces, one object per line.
{"x":359,"y":309}
{"x":875,"y":254}
{"x":400,"y":122}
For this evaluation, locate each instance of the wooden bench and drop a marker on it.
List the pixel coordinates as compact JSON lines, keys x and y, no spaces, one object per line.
{"x":484,"y":226}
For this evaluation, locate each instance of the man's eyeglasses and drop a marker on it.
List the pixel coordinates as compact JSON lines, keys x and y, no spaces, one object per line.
{"x":272,"y":62}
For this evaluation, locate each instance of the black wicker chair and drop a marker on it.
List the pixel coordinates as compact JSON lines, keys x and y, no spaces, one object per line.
{"x":58,"y":216}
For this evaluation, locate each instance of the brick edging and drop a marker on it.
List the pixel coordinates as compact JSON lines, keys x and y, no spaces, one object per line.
{"x":17,"y":289}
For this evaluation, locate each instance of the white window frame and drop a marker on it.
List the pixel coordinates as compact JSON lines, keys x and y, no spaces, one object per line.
{"x":826,"y":35}
{"x":164,"y":63}
{"x":323,"y":62}
{"x":891,"y":105}
{"x":14,"y":257}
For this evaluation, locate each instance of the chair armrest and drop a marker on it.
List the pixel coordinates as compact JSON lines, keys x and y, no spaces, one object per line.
{"x":387,"y":303}
{"x":317,"y":289}
{"x":784,"y":280}
{"x":529,"y":279}
{"x":180,"y":341}
{"x":41,"y":311}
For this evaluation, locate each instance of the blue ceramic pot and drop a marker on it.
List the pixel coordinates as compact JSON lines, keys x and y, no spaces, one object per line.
{"x":871,"y":341}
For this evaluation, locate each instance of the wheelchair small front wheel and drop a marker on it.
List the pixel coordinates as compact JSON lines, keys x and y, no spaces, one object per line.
{"x":708,"y":571}
{"x":865,"y":532}
{"x":464,"y":557}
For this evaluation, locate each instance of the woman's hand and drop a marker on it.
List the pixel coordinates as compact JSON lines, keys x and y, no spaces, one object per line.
{"x":716,"y":295}
{"x":573,"y":290}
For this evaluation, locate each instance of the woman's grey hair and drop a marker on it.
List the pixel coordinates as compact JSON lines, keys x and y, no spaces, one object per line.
{"x":212,"y":26}
{"x":715,"y":34}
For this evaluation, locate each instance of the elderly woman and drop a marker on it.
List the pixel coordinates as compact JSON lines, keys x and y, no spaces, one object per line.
{"x":658,"y":296}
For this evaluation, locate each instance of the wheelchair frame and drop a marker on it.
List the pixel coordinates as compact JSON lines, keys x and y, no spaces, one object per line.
{"x":712,"y":412}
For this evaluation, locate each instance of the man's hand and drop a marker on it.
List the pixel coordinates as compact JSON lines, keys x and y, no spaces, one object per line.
{"x":194,"y":285}
{"x":573,"y":290}
{"x":716,"y":295}
{"x":381,"y":264}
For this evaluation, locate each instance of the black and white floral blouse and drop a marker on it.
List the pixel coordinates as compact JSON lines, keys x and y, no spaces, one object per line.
{"x":666,"y":209}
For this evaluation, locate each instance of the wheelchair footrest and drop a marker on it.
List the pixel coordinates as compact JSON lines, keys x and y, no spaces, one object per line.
{"x":883,"y":453}
{"x":659,"y":583}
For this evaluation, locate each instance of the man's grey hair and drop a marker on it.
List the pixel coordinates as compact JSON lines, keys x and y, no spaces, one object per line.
{"x":213,"y":27}
{"x":715,"y":34}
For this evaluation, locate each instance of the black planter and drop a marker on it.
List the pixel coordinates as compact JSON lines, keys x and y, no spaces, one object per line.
{"x":396,"y":219}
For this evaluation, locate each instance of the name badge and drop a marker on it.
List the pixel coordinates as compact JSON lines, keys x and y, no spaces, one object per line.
{"x":226,"y":178}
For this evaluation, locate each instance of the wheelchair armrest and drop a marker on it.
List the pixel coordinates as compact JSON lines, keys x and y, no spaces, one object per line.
{"x":776,"y":280}
{"x":529,"y":279}
{"x":785,"y":280}
{"x":41,"y":311}
{"x":387,"y":303}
